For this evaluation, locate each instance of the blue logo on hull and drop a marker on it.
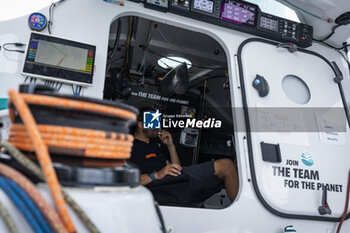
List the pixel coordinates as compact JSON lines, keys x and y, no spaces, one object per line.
{"x":306,"y":158}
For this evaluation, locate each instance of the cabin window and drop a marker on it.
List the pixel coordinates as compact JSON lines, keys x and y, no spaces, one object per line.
{"x":134,"y":75}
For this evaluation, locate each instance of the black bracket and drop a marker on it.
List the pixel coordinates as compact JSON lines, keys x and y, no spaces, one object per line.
{"x":324,"y":208}
{"x":339,"y":75}
{"x":290,"y":46}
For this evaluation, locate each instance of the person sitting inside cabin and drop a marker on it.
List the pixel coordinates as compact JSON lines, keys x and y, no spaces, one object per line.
{"x":172,"y":184}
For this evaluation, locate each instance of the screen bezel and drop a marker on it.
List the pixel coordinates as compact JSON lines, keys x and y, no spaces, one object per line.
{"x":256,"y":13}
{"x":65,"y":74}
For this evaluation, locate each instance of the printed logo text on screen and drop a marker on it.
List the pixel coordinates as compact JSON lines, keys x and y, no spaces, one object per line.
{"x":153,"y":120}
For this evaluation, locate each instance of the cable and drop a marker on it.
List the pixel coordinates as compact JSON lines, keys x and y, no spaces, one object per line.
{"x":50,"y":22}
{"x":346,"y":60}
{"x":204,"y":79}
{"x":23,"y":182}
{"x":325,"y":44}
{"x":128,"y":41}
{"x":111,"y":62}
{"x":11,"y":227}
{"x":43,"y":156}
{"x":337,"y":50}
{"x":330,"y":35}
{"x":195,"y":160}
{"x":58,"y":86}
{"x":32,"y":80}
{"x":346,"y":205}
{"x":343,"y":47}
{"x":116,"y":42}
{"x":144,"y":56}
{"x":49,"y":25}
{"x":34,"y":169}
{"x":20,"y":206}
{"x":17,"y":44}
{"x":160,"y":217}
{"x":345,"y":104}
{"x":340,"y":86}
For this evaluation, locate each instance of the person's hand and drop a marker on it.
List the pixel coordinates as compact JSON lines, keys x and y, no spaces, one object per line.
{"x":172,"y":169}
{"x":166,"y":138}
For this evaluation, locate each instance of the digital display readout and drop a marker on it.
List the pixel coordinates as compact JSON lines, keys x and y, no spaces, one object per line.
{"x":59,"y":59}
{"x":238,"y":12}
{"x":269,"y":23}
{"x":203,"y":5}
{"x":60,"y":56}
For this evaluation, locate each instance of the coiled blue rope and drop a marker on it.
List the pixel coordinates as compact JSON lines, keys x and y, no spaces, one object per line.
{"x":25,"y":205}
{"x":32,"y":207}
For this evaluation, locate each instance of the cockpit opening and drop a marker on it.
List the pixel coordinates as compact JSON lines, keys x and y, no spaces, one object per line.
{"x":183,"y":76}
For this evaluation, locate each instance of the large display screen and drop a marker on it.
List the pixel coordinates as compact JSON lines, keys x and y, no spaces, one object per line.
{"x":269,"y":23}
{"x":204,"y":5}
{"x":239,"y":12}
{"x":59,"y":59}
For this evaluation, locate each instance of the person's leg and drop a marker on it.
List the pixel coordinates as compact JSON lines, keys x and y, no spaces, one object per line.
{"x":226,"y":170}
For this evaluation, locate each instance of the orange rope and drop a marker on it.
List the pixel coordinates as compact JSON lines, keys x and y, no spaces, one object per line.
{"x":74,"y":131}
{"x":87,"y":146}
{"x":34,"y":194}
{"x":77,"y":104}
{"x":43,"y":156}
{"x":70,"y":141}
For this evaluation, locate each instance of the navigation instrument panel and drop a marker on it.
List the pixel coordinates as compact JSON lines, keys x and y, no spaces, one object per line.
{"x":284,"y":28}
{"x":239,"y":12}
{"x":239,"y":15}
{"x":207,"y":7}
{"x":203,"y":5}
{"x":58,"y":59}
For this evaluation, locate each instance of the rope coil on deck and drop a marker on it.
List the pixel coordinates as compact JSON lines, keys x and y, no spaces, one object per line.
{"x":71,"y":141}
{"x":35,"y":170}
{"x":54,"y":220}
